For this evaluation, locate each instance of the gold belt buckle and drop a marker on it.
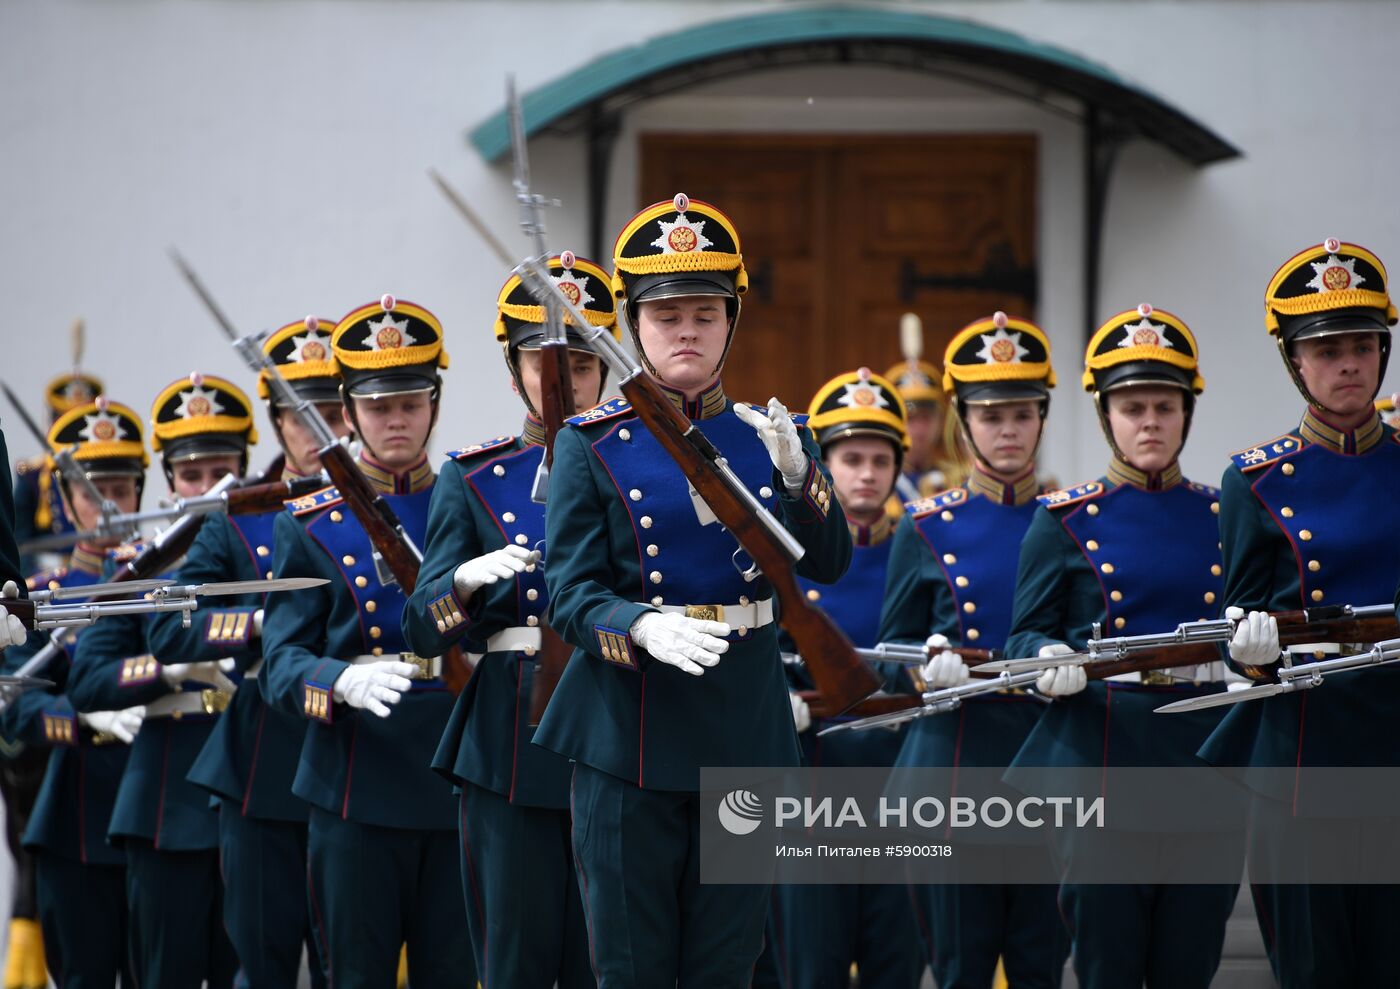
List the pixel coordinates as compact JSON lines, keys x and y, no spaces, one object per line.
{"x":419,"y":664}
{"x":705,"y":612}
{"x":215,"y":701}
{"x":1157,"y":678}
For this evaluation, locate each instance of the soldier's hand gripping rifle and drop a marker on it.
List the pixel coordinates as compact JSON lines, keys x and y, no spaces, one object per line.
{"x":396,"y":557}
{"x":880,"y":702}
{"x":840,"y":675}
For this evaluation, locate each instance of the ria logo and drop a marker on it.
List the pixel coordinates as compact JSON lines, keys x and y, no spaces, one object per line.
{"x":741,"y":812}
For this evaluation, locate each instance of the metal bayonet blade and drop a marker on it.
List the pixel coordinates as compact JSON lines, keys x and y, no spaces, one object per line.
{"x":124,"y":588}
{"x":230,"y":587}
{"x":1222,"y":699}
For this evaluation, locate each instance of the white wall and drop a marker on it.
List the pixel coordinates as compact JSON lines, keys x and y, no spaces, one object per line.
{"x":282,"y":146}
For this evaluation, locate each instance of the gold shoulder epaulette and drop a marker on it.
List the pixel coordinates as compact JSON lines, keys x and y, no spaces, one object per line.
{"x":1071,"y":496}
{"x":610,"y":409}
{"x":467,"y":452}
{"x":1267,"y":453}
{"x":936,"y":502}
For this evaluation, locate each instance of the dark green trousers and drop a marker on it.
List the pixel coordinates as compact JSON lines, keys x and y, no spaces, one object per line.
{"x":176,"y":925}
{"x":82,"y":910}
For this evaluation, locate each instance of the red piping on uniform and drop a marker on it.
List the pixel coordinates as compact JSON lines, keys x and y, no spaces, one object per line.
{"x":1298,"y":762}
{"x":947,"y":579}
{"x":1297,"y":556}
{"x":583,"y":885}
{"x":1107,"y":710}
{"x":641,"y":561}
{"x":1098,"y":576}
{"x":253,"y":767}
{"x":470,"y":866}
{"x":349,"y":772}
{"x":349,"y":584}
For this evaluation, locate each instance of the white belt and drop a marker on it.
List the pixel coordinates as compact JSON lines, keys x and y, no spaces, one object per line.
{"x":1176,"y":675}
{"x":740,"y":617}
{"x":427,"y":669}
{"x":517,"y":638}
{"x":188,"y":702}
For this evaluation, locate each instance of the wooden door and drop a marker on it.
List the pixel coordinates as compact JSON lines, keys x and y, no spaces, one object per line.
{"x":842,"y":234}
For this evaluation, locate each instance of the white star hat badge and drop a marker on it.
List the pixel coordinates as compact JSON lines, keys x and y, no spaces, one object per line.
{"x":312,"y":346}
{"x":574,"y":286}
{"x":681,"y":236}
{"x":862,"y":394}
{"x":102,"y":427}
{"x":1001,"y":347}
{"x":1145,"y":333}
{"x":389,"y":334}
{"x":1334,"y":274}
{"x":198,"y":401}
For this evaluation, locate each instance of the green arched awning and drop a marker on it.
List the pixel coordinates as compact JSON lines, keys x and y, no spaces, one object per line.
{"x":845,"y":35}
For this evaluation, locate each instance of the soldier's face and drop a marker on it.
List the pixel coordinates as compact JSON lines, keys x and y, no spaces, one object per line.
{"x":195,"y":477}
{"x":300,"y":445}
{"x":684,"y":339}
{"x":585,"y":371}
{"x":1341,"y":372}
{"x":121,"y":491}
{"x":862,"y":471}
{"x":1147,"y":424}
{"x":1005,"y":435}
{"x":925,"y":420}
{"x":395,"y":427}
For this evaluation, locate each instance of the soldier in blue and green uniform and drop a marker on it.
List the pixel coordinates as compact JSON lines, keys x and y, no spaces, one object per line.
{"x":248,"y":762}
{"x":38,"y":511}
{"x":928,"y":466}
{"x":481,"y":585}
{"x":818,"y":932}
{"x":381,"y":842}
{"x":81,"y":880}
{"x":1136,"y":551}
{"x":952,"y":581}
{"x":659,"y":684}
{"x":202,"y":427}
{"x":1306,"y":519}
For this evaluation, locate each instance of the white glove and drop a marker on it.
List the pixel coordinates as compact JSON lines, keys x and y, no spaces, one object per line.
{"x":488,"y":568}
{"x":686,"y":643}
{"x":945,"y":668}
{"x":801,"y":713}
{"x":1255,"y":642}
{"x":257,"y":623}
{"x":122,"y":725}
{"x":373,"y":686}
{"x":1060,"y":681}
{"x":12,"y":630}
{"x":780,"y":438}
{"x":212,"y":672}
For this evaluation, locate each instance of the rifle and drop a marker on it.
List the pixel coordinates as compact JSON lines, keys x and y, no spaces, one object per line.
{"x":50,"y":609}
{"x":1191,"y":644}
{"x":839,"y":673}
{"x":396,"y":557}
{"x":1304,"y":676}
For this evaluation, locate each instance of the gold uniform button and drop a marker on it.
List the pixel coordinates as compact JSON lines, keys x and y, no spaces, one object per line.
{"x":645,"y":520}
{"x":1314,"y":566}
{"x":949,"y":559}
{"x":1286,"y":512}
{"x":814,"y":595}
{"x":498,"y":470}
{"x":360,"y":581}
{"x":532,"y":620}
{"x":1092,"y":545}
{"x":1215,"y":570}
{"x":1107,"y":568}
{"x":1210,"y":597}
{"x":961,"y":581}
{"x":655,"y":576}
{"x":1288,"y":468}
{"x":508,"y":517}
{"x":635,"y":494}
{"x":1116,"y":595}
{"x":1317,"y":595}
{"x":743,"y":601}
{"x":1304,"y":534}
{"x":441,"y":625}
{"x":336,"y":516}
{"x":375,"y":631}
{"x":946,"y":516}
{"x":263,"y":551}
{"x":658,"y":601}
{"x":1215,"y":507}
{"x":1119,"y":622}
{"x":765,"y":492}
{"x":1092,"y":509}
{"x":377,"y":651}
{"x":531,"y":594}
{"x":371,"y":606}
{"x":653,"y":549}
{"x":969,"y":607}
{"x":973,"y":635}
{"x":624,"y":434}
{"x":348,"y":560}
{"x":521,"y":539}
{"x":54,"y":585}
{"x":269,"y":575}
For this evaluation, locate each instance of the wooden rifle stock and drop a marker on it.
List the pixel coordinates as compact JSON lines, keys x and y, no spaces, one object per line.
{"x":382,"y":527}
{"x":556,"y":392}
{"x":883,"y":703}
{"x":841,"y":676}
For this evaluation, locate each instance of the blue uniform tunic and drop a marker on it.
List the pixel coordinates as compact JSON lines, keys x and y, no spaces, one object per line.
{"x":1137,"y":554}
{"x":625,"y":535}
{"x":381,"y":843}
{"x":954,"y":573}
{"x":518,"y":878}
{"x":1309,"y":518}
{"x":249,"y":759}
{"x":163,"y":822}
{"x":81,"y":879}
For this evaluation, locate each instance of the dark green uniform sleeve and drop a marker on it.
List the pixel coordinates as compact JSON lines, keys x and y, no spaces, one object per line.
{"x":112,"y":668}
{"x":454,"y":535}
{"x":581,"y":574}
{"x":294,"y":626}
{"x":9,"y":550}
{"x":214,"y":557}
{"x":23,"y":717}
{"x":1041,"y":614}
{"x":815,"y":517}
{"x":1256,"y":571}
